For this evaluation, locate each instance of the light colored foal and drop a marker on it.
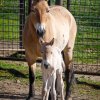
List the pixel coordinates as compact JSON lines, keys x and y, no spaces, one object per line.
{"x":52,"y":72}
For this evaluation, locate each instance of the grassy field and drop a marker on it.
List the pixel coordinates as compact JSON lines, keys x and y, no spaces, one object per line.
{"x":87,"y":14}
{"x":17,"y":73}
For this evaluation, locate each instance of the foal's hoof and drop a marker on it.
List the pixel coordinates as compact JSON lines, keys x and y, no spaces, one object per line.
{"x":29,"y":98}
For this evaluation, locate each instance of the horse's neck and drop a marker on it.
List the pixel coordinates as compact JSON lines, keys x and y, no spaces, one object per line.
{"x":50,"y":31}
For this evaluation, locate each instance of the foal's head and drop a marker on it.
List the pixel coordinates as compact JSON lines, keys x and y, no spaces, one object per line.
{"x":40,"y":10}
{"x":50,"y":53}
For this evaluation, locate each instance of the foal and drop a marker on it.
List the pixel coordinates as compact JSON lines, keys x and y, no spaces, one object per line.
{"x":52,"y":68}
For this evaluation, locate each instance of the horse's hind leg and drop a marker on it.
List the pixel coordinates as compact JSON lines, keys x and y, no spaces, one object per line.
{"x":68,"y":73}
{"x":68,"y":54}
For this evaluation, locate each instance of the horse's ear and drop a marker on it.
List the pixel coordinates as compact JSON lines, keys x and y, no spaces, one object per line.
{"x":51,"y":42}
{"x":34,"y":2}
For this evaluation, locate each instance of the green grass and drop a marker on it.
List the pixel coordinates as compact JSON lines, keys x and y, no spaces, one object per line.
{"x":9,"y":29}
{"x":88,"y":88}
{"x":9,"y":20}
{"x":17,"y":71}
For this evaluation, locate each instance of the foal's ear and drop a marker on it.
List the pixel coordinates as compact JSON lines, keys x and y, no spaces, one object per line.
{"x":51,"y":42}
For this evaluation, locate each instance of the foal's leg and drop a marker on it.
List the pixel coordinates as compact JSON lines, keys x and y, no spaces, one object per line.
{"x":53,"y":90}
{"x":62,"y":88}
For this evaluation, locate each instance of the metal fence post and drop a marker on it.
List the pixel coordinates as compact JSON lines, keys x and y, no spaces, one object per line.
{"x":49,"y":2}
{"x":58,"y":2}
{"x":22,"y":21}
{"x":29,"y":5}
{"x":68,"y":4}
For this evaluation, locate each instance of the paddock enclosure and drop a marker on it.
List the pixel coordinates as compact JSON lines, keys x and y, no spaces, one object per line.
{"x":87,"y":47}
{"x":86,"y":61}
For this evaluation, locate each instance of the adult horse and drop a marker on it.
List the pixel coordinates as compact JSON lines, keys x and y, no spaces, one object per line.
{"x":48,"y":23}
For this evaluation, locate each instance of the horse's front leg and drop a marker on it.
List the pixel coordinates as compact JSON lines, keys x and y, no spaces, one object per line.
{"x":31,"y":81}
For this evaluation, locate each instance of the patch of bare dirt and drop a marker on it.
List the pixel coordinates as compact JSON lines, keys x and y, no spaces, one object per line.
{"x":10,"y":90}
{"x":15,"y":90}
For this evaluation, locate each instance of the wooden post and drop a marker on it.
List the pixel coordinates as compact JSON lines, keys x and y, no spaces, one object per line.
{"x":22,"y":21}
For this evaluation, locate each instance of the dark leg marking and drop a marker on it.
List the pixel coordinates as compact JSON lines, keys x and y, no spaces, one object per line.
{"x":69,"y":75}
{"x":31,"y":84}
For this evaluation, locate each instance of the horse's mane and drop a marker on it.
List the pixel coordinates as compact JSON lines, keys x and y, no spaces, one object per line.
{"x":34,"y":2}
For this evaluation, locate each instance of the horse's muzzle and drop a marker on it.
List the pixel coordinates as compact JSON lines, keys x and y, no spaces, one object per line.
{"x":41,"y":32}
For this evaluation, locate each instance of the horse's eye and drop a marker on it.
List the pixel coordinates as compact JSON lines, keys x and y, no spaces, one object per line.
{"x":34,"y":10}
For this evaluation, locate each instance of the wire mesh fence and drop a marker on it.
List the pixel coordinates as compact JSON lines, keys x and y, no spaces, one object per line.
{"x":12,"y":19}
{"x":87,"y":47}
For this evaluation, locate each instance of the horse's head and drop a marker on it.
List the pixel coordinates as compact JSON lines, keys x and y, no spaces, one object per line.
{"x":40,"y":10}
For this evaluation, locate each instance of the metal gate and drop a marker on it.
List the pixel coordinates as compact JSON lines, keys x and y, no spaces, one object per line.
{"x":12,"y":19}
{"x":87,"y":48}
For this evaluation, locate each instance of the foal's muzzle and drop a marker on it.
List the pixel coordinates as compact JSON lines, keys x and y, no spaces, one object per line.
{"x":46,"y":65}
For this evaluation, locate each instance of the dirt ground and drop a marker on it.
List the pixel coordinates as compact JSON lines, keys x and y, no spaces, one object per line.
{"x":15,"y":90}
{"x":10,"y":90}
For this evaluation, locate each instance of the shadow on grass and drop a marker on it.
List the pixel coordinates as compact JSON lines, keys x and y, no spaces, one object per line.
{"x":88,"y":84}
{"x":14,"y":72}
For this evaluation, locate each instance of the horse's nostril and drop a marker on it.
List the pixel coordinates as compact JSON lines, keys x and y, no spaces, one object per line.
{"x":41,"y":32}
